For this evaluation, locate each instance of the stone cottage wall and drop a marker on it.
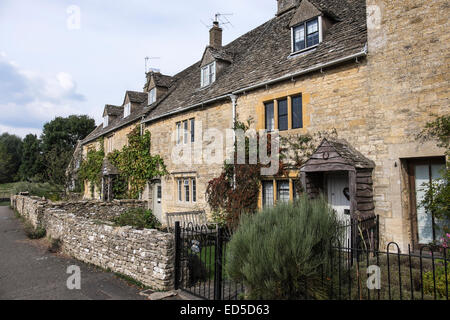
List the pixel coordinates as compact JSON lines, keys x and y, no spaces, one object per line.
{"x":144,"y":255}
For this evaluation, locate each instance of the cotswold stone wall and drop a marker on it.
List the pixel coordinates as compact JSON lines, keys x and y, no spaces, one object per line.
{"x":32,"y":208}
{"x":144,"y":255}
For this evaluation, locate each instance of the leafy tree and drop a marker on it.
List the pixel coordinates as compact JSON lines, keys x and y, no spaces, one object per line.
{"x":6,"y":164}
{"x":31,"y":167}
{"x":59,"y":139}
{"x":10,"y":157}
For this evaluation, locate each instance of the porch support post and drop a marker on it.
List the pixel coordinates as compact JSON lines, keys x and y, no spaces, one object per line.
{"x":352,"y":186}
{"x":303,"y":181}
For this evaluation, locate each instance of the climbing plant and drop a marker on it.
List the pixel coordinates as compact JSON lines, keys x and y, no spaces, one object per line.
{"x":136,"y":164}
{"x":236,"y":190}
{"x":296,"y":149}
{"x":91,"y":167}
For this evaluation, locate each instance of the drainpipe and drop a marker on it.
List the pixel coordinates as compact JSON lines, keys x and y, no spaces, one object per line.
{"x":233,"y":98}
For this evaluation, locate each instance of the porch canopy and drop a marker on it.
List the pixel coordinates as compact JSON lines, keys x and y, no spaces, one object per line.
{"x":338,"y":156}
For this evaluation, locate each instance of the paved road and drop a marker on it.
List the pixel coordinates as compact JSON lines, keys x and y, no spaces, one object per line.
{"x":29,"y":271}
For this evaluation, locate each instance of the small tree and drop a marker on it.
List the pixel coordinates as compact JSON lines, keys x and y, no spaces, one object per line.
{"x":280,"y":252}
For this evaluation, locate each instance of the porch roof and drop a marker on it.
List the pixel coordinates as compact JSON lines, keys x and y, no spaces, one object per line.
{"x":336,"y":155}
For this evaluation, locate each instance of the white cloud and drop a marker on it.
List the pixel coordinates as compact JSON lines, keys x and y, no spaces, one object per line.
{"x":28,"y":99}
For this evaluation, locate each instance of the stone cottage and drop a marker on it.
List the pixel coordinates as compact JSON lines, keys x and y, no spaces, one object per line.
{"x":372,"y":70}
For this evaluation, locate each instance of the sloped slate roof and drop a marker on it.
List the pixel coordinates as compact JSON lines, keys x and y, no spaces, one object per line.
{"x":114,"y":111}
{"x":162,"y":80}
{"x":263,"y":54}
{"x":304,"y":12}
{"x":136,"y":97}
{"x":353,"y":156}
{"x":338,"y":151}
{"x":117,"y":122}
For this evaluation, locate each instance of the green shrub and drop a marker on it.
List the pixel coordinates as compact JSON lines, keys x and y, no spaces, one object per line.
{"x":34,"y":233}
{"x":138,"y":218}
{"x":428,"y":283}
{"x":279,"y":253}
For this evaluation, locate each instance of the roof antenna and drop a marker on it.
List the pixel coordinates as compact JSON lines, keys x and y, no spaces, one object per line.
{"x":147,"y":69}
{"x":222,"y":18}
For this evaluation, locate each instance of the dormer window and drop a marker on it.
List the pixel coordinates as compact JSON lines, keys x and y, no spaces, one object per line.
{"x":306,"y":35}
{"x":127,"y":110}
{"x":208,"y":74}
{"x":152,"y":96}
{"x":105,"y":121}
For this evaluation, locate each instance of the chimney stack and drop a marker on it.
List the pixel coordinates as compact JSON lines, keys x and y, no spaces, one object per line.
{"x":215,"y":36}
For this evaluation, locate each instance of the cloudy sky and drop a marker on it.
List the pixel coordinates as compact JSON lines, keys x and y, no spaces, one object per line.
{"x":54,"y":62}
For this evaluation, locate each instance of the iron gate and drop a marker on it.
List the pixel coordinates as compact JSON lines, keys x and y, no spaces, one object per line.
{"x":200,"y":262}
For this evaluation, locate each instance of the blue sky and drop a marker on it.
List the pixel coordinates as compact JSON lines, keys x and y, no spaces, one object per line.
{"x":48,"y":69}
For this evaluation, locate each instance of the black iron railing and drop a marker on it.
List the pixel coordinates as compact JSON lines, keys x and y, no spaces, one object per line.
{"x":357,"y":269}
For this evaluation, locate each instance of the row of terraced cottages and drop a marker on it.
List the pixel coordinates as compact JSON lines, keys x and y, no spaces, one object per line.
{"x":372,"y":70}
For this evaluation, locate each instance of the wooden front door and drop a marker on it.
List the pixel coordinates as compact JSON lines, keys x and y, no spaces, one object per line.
{"x":157,"y":200}
{"x":339,"y":196}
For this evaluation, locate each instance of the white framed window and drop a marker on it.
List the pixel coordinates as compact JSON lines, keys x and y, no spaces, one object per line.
{"x":307,"y":34}
{"x":127,"y":110}
{"x":208,"y":74}
{"x":152,"y":96}
{"x":105,"y":121}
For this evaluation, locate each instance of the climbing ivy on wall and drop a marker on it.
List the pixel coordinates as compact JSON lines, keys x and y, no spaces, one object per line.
{"x":91,"y":167}
{"x":236,"y":190}
{"x":136,"y":164}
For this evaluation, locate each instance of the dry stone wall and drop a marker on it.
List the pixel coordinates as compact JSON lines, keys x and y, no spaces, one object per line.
{"x":145,"y":255}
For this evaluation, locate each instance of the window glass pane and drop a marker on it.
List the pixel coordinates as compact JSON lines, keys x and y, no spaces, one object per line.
{"x":424,"y":219}
{"x":312,"y":39}
{"x":186,"y":190}
{"x":152,"y":96}
{"x":178,"y":132}
{"x":194,"y":190}
{"x":437,"y":171}
{"x":282,"y":115}
{"x":283,"y":191}
{"x":299,"y":38}
{"x":186,"y":132}
{"x":159,"y":192}
{"x":179,"y":191}
{"x":267,"y":194}
{"x":205,"y":76}
{"x":192,"y":130}
{"x":269,"y":115}
{"x":297,"y":112}
{"x":312,"y":26}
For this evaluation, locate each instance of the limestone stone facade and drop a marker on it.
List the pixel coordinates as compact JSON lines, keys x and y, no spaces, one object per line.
{"x":377,"y":102}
